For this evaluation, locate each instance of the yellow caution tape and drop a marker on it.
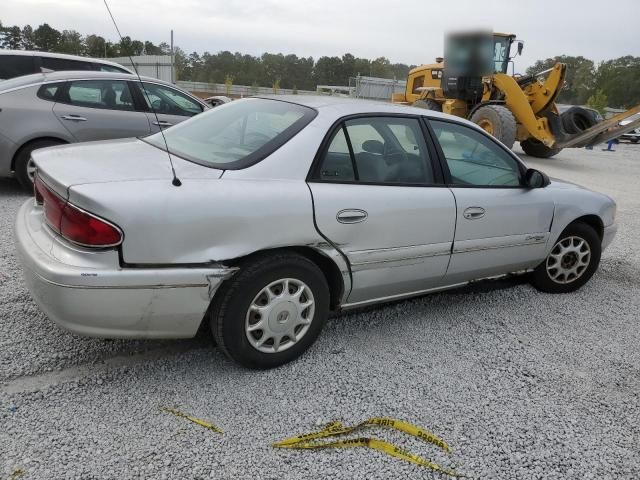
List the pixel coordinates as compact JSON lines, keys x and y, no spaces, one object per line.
{"x":197,"y":421}
{"x":309,"y":441}
{"x":18,"y":472}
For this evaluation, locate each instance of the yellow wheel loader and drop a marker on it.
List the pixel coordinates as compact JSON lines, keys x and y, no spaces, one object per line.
{"x":472,"y":82}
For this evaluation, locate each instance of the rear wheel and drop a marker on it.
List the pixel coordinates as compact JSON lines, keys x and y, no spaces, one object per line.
{"x":536,"y":148}
{"x":25,"y":170}
{"x":572,"y":261}
{"x":498,"y":121}
{"x":634,"y":140}
{"x":271,"y":311}
{"x":428,"y":104}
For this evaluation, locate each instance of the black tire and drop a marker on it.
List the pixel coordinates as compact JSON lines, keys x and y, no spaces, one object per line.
{"x":535,"y":148}
{"x":22,"y":161}
{"x":577,"y":120}
{"x":231,"y":305}
{"x":541,"y":278}
{"x":428,"y":104}
{"x":502,"y":122}
{"x":634,"y":140}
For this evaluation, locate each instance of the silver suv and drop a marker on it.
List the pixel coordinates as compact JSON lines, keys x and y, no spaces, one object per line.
{"x":47,"y":109}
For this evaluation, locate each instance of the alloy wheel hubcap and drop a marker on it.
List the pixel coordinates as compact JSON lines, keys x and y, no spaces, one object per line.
{"x":279,"y":315}
{"x":568,"y":260}
{"x":31,"y":170}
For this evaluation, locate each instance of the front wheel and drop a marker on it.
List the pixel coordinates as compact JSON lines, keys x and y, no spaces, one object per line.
{"x":536,"y":148}
{"x":572,"y":261}
{"x":271,"y":311}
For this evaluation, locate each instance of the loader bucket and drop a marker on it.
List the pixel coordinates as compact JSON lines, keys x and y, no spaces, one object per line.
{"x":603,"y":131}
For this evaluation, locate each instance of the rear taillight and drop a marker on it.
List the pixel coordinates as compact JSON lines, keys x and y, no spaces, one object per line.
{"x":73,"y":223}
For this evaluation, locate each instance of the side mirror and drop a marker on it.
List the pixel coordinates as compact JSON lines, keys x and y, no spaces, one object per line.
{"x":536,"y":179}
{"x":520,"y":47}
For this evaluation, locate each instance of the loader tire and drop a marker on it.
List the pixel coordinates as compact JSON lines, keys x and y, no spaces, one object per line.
{"x":535,"y":148}
{"x":497,"y":121}
{"x":428,"y":104}
{"x":577,"y":120}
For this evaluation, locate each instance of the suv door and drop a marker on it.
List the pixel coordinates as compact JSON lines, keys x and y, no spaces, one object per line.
{"x":170,"y":105}
{"x":379,"y":199}
{"x":501,"y":225}
{"x":100,"y":110}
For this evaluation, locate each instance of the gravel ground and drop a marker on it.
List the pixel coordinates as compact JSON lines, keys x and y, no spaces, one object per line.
{"x":519,"y":383}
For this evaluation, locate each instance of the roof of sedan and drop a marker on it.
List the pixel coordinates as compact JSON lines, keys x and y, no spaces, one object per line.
{"x":349,"y":106}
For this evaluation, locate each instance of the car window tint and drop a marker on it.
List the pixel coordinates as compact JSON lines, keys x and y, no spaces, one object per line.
{"x":48,"y":91}
{"x":108,"y":94}
{"x":336,"y":164}
{"x":166,"y":100}
{"x":109,"y":68}
{"x":12,"y":66}
{"x":52,"y":63}
{"x":473,"y":158}
{"x":236,"y":134}
{"x":389,"y":150}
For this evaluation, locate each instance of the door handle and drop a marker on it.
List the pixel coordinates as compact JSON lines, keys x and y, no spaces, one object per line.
{"x":162,"y":123}
{"x":473,"y":213}
{"x":351,"y":215}
{"x":74,"y":118}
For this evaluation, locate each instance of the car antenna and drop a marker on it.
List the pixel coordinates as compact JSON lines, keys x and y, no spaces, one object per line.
{"x":176,"y":181}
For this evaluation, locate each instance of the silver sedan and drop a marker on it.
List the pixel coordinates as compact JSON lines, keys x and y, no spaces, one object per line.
{"x":261,"y":216}
{"x":46,"y":109}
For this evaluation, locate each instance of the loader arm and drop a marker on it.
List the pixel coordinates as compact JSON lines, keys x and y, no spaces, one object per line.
{"x":543,"y":95}
{"x":518,"y":102}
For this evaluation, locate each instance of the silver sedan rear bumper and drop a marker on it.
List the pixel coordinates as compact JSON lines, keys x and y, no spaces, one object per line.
{"x":87,"y":292}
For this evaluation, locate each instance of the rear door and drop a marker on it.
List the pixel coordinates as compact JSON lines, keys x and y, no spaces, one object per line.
{"x":378,"y":198}
{"x":169,"y":105}
{"x":100,"y":110}
{"x":501,"y":226}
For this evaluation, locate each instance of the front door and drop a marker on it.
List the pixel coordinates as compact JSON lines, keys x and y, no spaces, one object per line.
{"x":167,"y":106}
{"x":378,"y":199}
{"x":99,"y":110}
{"x":501,"y":226}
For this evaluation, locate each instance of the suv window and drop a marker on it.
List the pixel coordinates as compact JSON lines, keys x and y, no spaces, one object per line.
{"x":109,"y":68}
{"x":475,"y":159}
{"x":168,"y":101}
{"x":108,"y":94}
{"x":384,"y":150}
{"x":55,"y":64}
{"x":12,"y":66}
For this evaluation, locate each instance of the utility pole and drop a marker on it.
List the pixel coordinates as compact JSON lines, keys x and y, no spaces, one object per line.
{"x":173,"y":68}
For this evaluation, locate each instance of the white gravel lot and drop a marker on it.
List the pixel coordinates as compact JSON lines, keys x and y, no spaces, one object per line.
{"x":521,"y":384}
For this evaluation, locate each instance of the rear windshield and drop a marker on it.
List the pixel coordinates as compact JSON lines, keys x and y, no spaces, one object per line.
{"x":237,"y":134}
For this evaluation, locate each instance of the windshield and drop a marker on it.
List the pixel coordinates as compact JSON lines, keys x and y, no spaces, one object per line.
{"x":237,"y":134}
{"x":21,"y":81}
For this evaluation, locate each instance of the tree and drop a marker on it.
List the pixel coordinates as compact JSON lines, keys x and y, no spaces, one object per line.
{"x":71,"y":42}
{"x":28,"y":42}
{"x":46,"y":38}
{"x":598,"y":101}
{"x":11,"y":38}
{"x":95,"y":46}
{"x":620,"y":80}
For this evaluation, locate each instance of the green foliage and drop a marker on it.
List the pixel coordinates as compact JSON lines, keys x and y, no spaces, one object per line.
{"x":598,"y":101}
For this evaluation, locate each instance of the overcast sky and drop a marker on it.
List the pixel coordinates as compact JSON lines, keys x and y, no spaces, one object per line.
{"x":410,"y":32}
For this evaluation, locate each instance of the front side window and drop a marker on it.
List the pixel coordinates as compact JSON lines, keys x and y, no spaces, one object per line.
{"x":383,"y":150}
{"x":166,"y":100}
{"x":418,"y":82}
{"x":236,"y":134}
{"x":12,"y":66}
{"x":474,"y":159}
{"x":108,"y":94}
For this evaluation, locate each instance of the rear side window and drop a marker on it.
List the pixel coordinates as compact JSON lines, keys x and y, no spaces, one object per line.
{"x":108,"y":94}
{"x":109,"y":68}
{"x":55,"y":64}
{"x":16,"y":65}
{"x":48,"y":91}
